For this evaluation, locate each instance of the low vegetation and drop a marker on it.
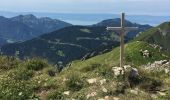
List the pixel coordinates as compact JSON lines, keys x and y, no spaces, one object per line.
{"x":85,"y":80}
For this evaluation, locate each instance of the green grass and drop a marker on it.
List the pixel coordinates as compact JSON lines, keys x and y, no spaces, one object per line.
{"x":159,"y":35}
{"x":35,"y":78}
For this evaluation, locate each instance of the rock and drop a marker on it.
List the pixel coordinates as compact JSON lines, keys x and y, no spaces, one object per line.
{"x":118,"y":71}
{"x":20,"y":93}
{"x":101,"y":99}
{"x":161,"y":62}
{"x":154,"y":96}
{"x":39,"y":82}
{"x":145,"y":53}
{"x":104,"y":90}
{"x":162,"y":93}
{"x":103,"y":81}
{"x":167,"y":71}
{"x":134,"y":92}
{"x":106,"y":98}
{"x":126,"y":67}
{"x":116,"y":98}
{"x":162,"y":65}
{"x":91,"y":95}
{"x":134,"y":73}
{"x":92,"y":81}
{"x":67,"y":93}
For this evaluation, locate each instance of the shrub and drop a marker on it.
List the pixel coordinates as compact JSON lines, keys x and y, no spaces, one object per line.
{"x":21,"y":74}
{"x":56,"y":95}
{"x":7,"y":63}
{"x":91,"y":67}
{"x":120,"y":89}
{"x":15,"y":89}
{"x":51,"y":72}
{"x":147,"y":81}
{"x":35,"y":64}
{"x":151,"y":85}
{"x":105,"y":71}
{"x":81,"y":95}
{"x":75,"y":82}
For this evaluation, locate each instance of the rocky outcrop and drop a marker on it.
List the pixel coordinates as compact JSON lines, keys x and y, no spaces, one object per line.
{"x":145,"y":53}
{"x":162,"y":65}
{"x":119,"y":70}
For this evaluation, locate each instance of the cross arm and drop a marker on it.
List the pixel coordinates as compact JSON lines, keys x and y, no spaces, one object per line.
{"x":114,"y":28}
{"x":131,"y":28}
{"x":120,"y":28}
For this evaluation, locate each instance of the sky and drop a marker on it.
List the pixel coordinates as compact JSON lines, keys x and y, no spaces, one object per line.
{"x":147,"y":7}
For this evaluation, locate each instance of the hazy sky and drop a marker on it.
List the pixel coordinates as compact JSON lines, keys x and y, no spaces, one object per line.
{"x":151,"y":7}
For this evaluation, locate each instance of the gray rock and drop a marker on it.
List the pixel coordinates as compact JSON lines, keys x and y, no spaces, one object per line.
{"x":134,"y":73}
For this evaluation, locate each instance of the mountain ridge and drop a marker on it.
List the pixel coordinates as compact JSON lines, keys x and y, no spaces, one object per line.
{"x":25,"y":27}
{"x":159,"y":35}
{"x":87,"y":41}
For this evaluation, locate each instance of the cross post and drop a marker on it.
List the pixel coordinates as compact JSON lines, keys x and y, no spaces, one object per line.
{"x":122,"y":30}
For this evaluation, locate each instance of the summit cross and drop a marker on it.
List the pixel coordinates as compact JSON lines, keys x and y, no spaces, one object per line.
{"x":122,"y":30}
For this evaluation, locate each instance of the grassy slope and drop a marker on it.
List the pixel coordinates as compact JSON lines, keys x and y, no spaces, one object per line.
{"x":159,"y":35}
{"x":132,"y":53}
{"x":40,"y":85}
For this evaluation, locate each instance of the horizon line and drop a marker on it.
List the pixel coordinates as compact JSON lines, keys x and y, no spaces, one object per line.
{"x":110,"y":13}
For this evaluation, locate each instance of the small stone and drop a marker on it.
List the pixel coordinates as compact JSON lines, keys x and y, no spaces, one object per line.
{"x":103,"y":81}
{"x":115,"y":98}
{"x":166,"y":71}
{"x":92,"y":81}
{"x":64,"y":79}
{"x":162,"y":94}
{"x":46,"y":79}
{"x":20,"y":93}
{"x":45,"y":84}
{"x":126,"y":67}
{"x":106,"y":97}
{"x":117,"y":71}
{"x":154,"y":96}
{"x":91,"y":95}
{"x":134,"y":92}
{"x":145,"y":53}
{"x":39,"y":82}
{"x":67,"y":93}
{"x":104,"y":90}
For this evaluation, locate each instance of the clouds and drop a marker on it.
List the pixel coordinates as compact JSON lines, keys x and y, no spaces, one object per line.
{"x":87,"y":6}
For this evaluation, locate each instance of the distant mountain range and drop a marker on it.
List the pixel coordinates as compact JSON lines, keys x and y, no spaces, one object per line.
{"x":25,"y":27}
{"x":72,"y":42}
{"x":92,"y":18}
{"x":116,"y":23}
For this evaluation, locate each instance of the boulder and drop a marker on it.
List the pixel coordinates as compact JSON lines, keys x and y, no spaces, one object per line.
{"x":134,"y":73}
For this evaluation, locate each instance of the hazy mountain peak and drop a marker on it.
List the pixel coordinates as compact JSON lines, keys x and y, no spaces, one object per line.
{"x":30,"y":16}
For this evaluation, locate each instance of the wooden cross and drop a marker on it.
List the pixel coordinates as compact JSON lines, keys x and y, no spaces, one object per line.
{"x":122,"y":30}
